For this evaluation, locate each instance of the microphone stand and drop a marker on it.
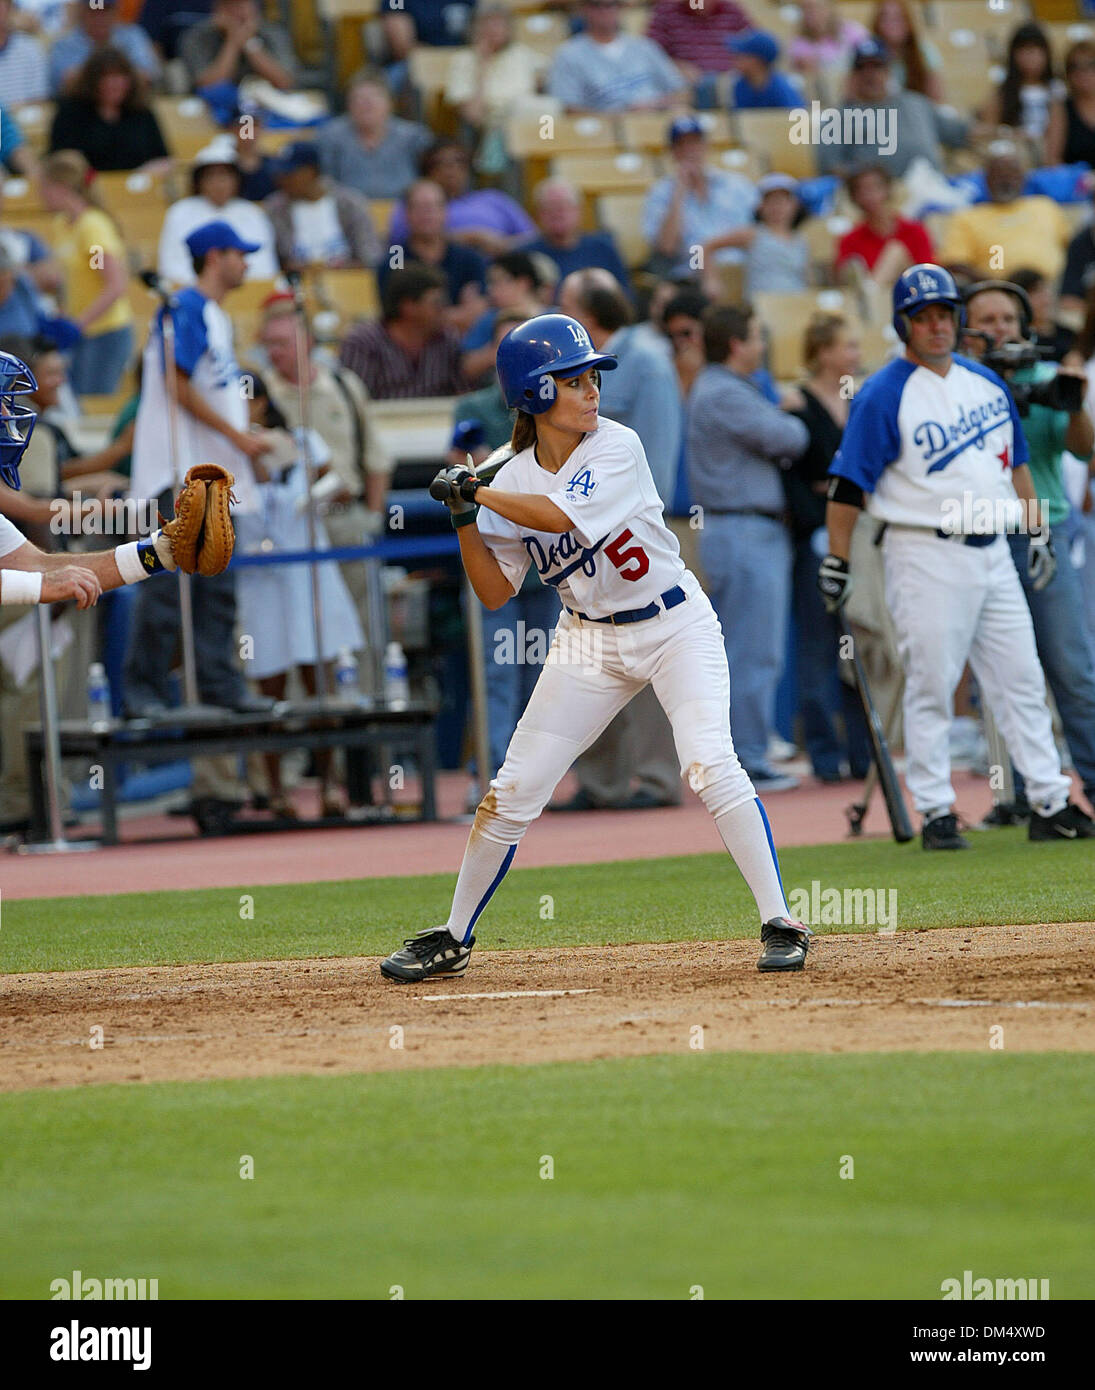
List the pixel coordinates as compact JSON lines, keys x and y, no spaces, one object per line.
{"x":304,"y":400}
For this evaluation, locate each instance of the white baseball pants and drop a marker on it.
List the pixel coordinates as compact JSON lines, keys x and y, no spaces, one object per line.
{"x":592,"y":671}
{"x":954,"y":603}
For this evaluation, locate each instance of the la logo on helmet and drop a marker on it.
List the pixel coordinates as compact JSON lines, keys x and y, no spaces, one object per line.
{"x":580,"y":336}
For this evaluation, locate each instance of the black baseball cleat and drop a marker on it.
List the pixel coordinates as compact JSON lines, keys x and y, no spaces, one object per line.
{"x":1069,"y":823}
{"x":942,"y":833}
{"x":784,"y":944}
{"x":431,"y":952}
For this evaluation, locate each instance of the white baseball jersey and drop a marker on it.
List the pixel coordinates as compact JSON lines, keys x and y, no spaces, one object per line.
{"x":11,"y":538}
{"x":205,"y":350}
{"x":620,"y":554}
{"x":918,"y":443}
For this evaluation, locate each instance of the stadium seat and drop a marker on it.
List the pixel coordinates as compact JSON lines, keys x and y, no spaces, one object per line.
{"x":415,"y":429}
{"x":822,"y":234}
{"x":739,"y":161}
{"x":609,"y":173}
{"x":785,"y":317}
{"x":1063,"y":35}
{"x":621,"y":214}
{"x":647,"y":130}
{"x":537,"y":140}
{"x":352,"y":294}
{"x":542,"y":32}
{"x":35,"y":118}
{"x":429,"y":69}
{"x":138,"y":203}
{"x":186,"y":124}
{"x":993,"y":22}
{"x":767,"y":134}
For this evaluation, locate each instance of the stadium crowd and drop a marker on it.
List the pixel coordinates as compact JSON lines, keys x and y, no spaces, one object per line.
{"x":435,"y":173}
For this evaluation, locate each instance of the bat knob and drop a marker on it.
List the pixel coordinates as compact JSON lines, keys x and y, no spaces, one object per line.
{"x":440,"y":490}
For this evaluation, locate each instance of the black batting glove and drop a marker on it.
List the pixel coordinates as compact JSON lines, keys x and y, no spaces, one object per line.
{"x":834,"y":583}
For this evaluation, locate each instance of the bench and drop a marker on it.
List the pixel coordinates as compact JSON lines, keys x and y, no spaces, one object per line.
{"x":177,"y":734}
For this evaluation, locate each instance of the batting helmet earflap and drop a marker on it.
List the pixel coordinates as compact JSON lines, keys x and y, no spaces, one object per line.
{"x":1022,"y":299}
{"x":534,"y":352}
{"x":920,"y":286}
{"x":16,"y":419}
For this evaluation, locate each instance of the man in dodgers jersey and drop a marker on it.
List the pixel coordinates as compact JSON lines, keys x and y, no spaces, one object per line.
{"x":933,"y":440}
{"x":213,"y":427}
{"x":577,"y":501}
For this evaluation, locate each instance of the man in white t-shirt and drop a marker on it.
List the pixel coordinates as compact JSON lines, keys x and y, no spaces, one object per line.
{"x":212,"y":427}
{"x":215,"y":184}
{"x":317,"y":221}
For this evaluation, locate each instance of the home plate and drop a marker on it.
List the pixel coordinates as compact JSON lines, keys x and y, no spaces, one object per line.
{"x":515,"y":994}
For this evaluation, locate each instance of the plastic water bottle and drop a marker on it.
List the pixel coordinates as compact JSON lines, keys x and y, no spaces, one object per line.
{"x":346,"y":686}
{"x":99,"y":713}
{"x":397,"y":689}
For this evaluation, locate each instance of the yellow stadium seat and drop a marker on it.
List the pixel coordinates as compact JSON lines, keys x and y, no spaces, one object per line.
{"x":738,"y":161}
{"x":785,"y":317}
{"x":352,"y":294}
{"x":992,"y":22}
{"x":35,"y":119}
{"x":186,"y":124}
{"x":635,"y":19}
{"x":621,"y":214}
{"x":627,"y":172}
{"x":542,"y":32}
{"x":649,"y":130}
{"x":544,"y":137}
{"x":768,"y":135}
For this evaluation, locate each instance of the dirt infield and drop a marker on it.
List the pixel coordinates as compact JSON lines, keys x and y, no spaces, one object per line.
{"x":922,"y":991}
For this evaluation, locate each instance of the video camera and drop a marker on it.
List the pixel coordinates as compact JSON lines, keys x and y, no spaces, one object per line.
{"x":1058,"y":393}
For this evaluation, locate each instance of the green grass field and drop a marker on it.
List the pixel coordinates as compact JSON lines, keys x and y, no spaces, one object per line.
{"x":1005,"y":879}
{"x":669,"y":1172}
{"x":716,"y":1170}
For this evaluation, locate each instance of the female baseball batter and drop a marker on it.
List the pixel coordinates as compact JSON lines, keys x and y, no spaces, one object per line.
{"x":577,"y":501}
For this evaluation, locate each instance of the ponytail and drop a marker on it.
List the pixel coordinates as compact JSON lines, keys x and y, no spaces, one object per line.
{"x":524,"y":432}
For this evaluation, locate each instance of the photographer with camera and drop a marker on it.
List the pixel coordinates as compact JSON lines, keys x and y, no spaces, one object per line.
{"x":1050,"y":400}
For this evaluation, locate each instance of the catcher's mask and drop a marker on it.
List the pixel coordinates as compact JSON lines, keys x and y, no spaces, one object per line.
{"x":16,"y":419}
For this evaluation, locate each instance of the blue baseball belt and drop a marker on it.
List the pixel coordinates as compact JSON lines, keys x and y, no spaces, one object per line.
{"x":668,"y":600}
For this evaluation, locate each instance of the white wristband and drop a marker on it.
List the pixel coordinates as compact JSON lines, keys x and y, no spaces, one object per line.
{"x":129,"y":563}
{"x":20,"y":586}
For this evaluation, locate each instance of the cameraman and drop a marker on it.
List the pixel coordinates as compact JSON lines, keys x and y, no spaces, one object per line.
{"x":999,"y":312}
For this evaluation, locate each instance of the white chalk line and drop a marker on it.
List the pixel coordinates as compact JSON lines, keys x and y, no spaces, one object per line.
{"x":513,"y":994}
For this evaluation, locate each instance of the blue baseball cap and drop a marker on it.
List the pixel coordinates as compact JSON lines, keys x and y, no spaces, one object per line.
{"x":301,"y":154}
{"x":870,"y":50}
{"x":757,"y":43}
{"x":685,"y":125}
{"x":217,"y":236}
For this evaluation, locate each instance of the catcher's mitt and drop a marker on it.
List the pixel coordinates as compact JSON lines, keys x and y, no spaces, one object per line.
{"x":202,"y":536}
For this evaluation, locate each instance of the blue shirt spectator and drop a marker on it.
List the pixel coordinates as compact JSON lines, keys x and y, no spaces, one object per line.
{"x":437,"y":23}
{"x":606,"y":69}
{"x":95,"y":28}
{"x":18,"y":303}
{"x":696,"y":203}
{"x":24,"y":74}
{"x":558,"y":212}
{"x":758,"y":84}
{"x":12,"y":140}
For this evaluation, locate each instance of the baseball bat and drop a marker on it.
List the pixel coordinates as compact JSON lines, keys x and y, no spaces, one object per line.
{"x":857,"y":812}
{"x":887,"y":774}
{"x":439,"y":490}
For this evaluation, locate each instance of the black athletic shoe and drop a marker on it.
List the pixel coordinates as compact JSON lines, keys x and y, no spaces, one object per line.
{"x":942,"y":833}
{"x":1069,"y":823}
{"x":431,"y":952}
{"x":1006,"y":813}
{"x":784,"y":945}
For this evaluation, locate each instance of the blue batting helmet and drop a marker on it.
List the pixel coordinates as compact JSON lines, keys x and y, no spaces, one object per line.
{"x":534,"y":352}
{"x":920,"y":286}
{"x":16,"y":419}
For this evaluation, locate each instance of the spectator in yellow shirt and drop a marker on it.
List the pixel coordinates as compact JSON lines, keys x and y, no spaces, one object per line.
{"x":90,"y":249}
{"x":988,"y":239}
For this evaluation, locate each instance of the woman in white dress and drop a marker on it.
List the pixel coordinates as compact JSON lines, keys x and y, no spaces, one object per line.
{"x":275,"y":601}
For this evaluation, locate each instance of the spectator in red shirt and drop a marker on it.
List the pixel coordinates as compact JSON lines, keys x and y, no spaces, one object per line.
{"x":884,"y":243}
{"x":694,"y":36}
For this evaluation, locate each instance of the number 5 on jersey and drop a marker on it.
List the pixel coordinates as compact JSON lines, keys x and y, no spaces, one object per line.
{"x":624,"y":559}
